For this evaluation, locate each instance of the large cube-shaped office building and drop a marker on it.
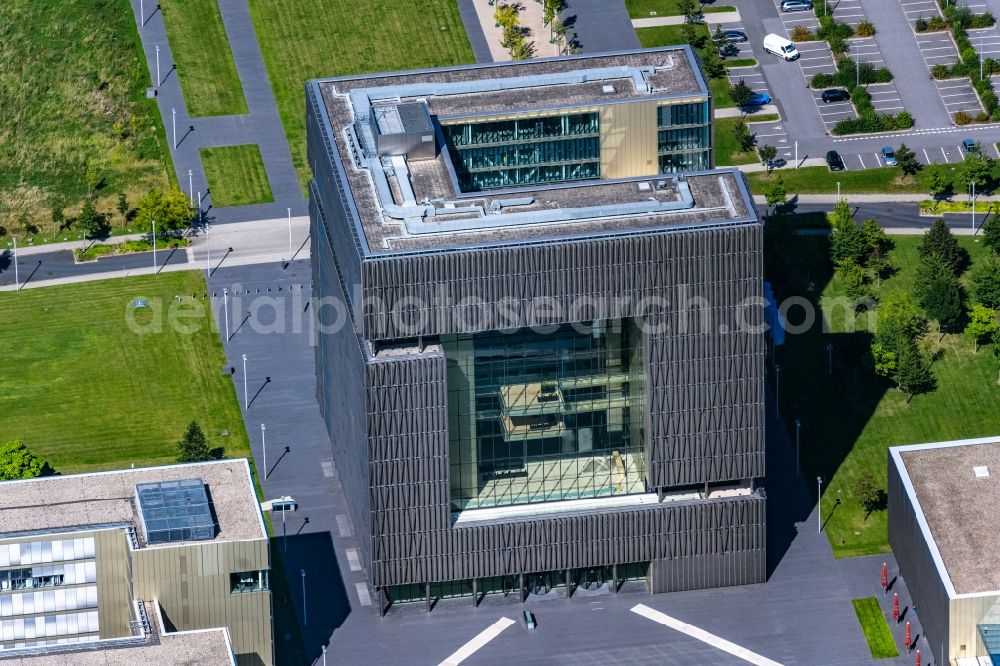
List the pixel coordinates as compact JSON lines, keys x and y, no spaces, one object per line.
{"x":540,"y":348}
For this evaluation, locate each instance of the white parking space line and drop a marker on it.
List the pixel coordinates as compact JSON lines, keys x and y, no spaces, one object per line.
{"x":862,"y":162}
{"x":946,"y":160}
{"x":480,"y":640}
{"x":703,"y":636}
{"x":878,"y":159}
{"x":927,"y":159}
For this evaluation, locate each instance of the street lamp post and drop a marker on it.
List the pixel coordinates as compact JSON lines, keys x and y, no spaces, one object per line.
{"x":324,"y":655}
{"x":819,"y":503}
{"x":191,"y":186}
{"x":142,"y":15}
{"x":263,"y":445}
{"x":857,"y":68}
{"x":154,"y":243}
{"x":17,"y":279}
{"x":305,"y":614}
{"x":173,"y":115}
{"x":225,"y":302}
{"x":798,"y":426}
{"x":157,"y":65}
{"x":838,"y":190}
{"x":246,"y":393}
{"x":289,"y":234}
{"x":973,"y":208}
{"x":777,"y":389}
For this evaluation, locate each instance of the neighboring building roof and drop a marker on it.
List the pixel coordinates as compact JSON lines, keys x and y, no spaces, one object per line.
{"x":208,"y":647}
{"x":50,"y":504}
{"x":416,"y":205}
{"x":956,"y":502}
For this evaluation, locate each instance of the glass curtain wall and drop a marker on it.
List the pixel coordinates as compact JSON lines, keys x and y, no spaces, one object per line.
{"x":511,"y":153}
{"x":540,"y":417}
{"x":684,"y":137}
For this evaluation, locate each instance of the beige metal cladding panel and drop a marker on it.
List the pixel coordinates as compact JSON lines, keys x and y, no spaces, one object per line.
{"x":193,"y":587}
{"x":114,"y":589}
{"x":629,"y":140}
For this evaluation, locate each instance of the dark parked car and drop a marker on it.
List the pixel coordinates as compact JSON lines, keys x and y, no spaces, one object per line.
{"x":835,"y":95}
{"x":834,"y":161}
{"x":733,"y":36}
{"x":970,"y":146}
{"x":795,"y":5}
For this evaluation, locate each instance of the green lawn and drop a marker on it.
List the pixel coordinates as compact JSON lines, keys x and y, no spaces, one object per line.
{"x":236,"y":175}
{"x":72,"y":94}
{"x":305,"y":39}
{"x":672,"y":35}
{"x":740,"y":62}
{"x":875,"y":627}
{"x":726,"y":150}
{"x":204,"y":62}
{"x":849,"y":419}
{"x":648,"y":8}
{"x":86,"y":392}
{"x":823,"y":181}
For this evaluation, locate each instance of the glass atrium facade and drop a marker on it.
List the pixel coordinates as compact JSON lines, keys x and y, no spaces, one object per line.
{"x":540,"y":417}
{"x":512,"y":153}
{"x":684,"y":137}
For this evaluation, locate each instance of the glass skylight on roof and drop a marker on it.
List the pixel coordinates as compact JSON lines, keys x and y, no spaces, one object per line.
{"x":174,"y":511}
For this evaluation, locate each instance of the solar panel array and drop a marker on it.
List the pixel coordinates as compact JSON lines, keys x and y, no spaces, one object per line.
{"x":175,"y":511}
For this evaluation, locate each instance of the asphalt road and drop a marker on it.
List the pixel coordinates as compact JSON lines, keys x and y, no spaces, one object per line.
{"x":51,"y":265}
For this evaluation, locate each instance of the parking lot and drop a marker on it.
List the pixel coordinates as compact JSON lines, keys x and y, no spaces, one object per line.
{"x":915,"y":9}
{"x":848,"y":11}
{"x":958,"y":95}
{"x":885,"y":97}
{"x":986,"y":42}
{"x":806,"y":19}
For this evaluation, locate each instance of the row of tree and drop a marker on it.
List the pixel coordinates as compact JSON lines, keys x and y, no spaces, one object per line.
{"x":171,"y":210}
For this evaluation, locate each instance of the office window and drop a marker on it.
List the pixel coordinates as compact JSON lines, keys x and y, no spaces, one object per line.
{"x":250,"y":581}
{"x":540,"y":417}
{"x":513,"y":153}
{"x":695,"y":113}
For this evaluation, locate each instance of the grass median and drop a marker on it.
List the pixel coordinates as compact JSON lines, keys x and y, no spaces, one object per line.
{"x":236,"y":175}
{"x":306,"y":39}
{"x":85,"y":391}
{"x":203,"y":58}
{"x":875,"y":628}
{"x":727,"y":152}
{"x":820,"y":180}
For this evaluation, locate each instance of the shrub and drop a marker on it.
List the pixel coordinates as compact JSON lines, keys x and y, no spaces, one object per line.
{"x":982,"y":117}
{"x":837,"y":45}
{"x":865,"y":29}
{"x":822,"y":80}
{"x":962,"y":118}
{"x":984,"y":20}
{"x":883,"y":75}
{"x":940,"y":71}
{"x":936,"y":23}
{"x":920,"y":25}
{"x":800,"y":33}
{"x":904,"y":120}
{"x":991,"y":66}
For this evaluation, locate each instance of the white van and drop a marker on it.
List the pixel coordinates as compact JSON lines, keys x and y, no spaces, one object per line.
{"x":781,"y":47}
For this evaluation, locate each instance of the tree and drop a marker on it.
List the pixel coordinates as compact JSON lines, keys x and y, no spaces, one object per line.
{"x":877,"y":244}
{"x":943,"y":301}
{"x":914,"y":376}
{"x":928,"y":269}
{"x":847,"y":244}
{"x":854,"y":280}
{"x":17,"y":462}
{"x":193,"y":447}
{"x":939,"y":241}
{"x":936,"y":182}
{"x":690,"y":33}
{"x":976,"y":169}
{"x":711,"y":63}
{"x":720,"y":39}
{"x":899,"y":323}
{"x":985,"y":281}
{"x":982,"y":324}
{"x":93,"y":179}
{"x":58,"y":217}
{"x":775,"y":193}
{"x":744,"y":140}
{"x":740,"y":93}
{"x":990,"y":232}
{"x":123,"y":207}
{"x":885,"y":360}
{"x":90,"y":222}
{"x":867,"y":492}
{"x":767,"y":155}
{"x":171,"y":210}
{"x":550,"y":9}
{"x":689,"y":9}
{"x":906,"y":160}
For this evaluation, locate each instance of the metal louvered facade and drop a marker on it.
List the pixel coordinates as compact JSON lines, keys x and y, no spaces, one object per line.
{"x":383,"y":390}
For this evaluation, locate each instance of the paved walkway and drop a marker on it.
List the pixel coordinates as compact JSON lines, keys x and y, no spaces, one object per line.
{"x":711,"y":19}
{"x":474,"y":30}
{"x":262,"y":125}
{"x":734,"y":112}
{"x":600,"y":25}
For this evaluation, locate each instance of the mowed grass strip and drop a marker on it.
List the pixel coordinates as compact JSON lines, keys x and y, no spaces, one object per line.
{"x":875,"y":627}
{"x":820,"y":180}
{"x":727,"y":152}
{"x":307,"y":39}
{"x":72,"y":98}
{"x":203,"y":58}
{"x":80,"y":388}
{"x":236,"y":175}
